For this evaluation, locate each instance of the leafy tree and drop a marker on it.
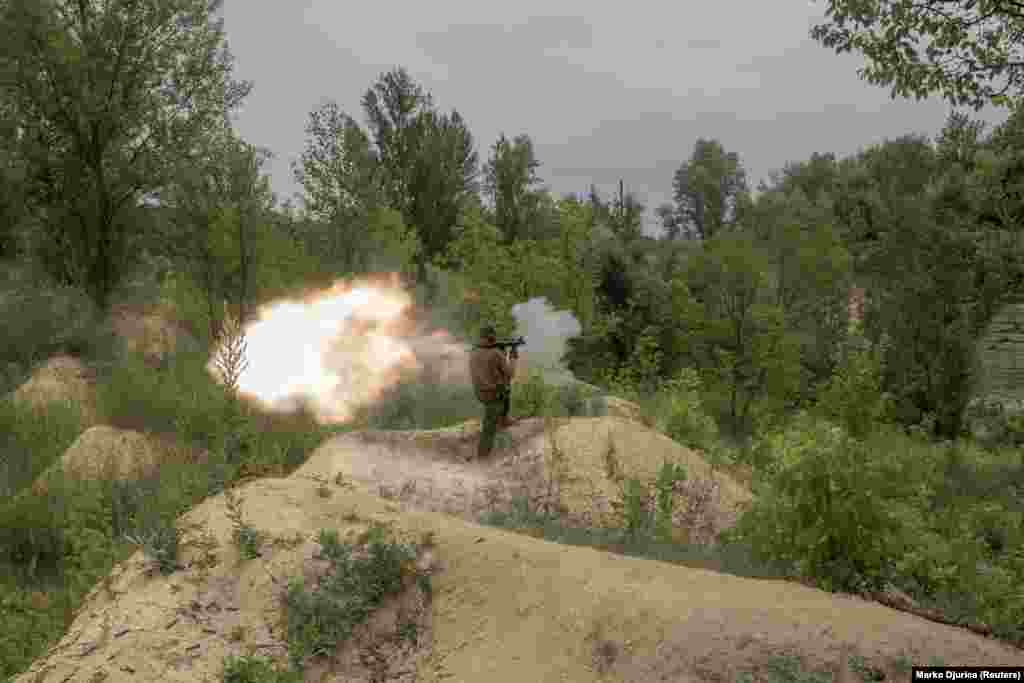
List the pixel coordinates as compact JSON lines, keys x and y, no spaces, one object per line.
{"x":340,"y":176}
{"x":578,"y":290}
{"x":110,"y":98}
{"x":219,"y":205}
{"x":710,"y":190}
{"x":966,"y":51}
{"x":815,"y":178}
{"x":938,"y":297}
{"x":444,"y":180}
{"x":428,"y":161}
{"x":626,"y":219}
{"x":810,"y":273}
{"x":736,"y":336}
{"x":511,"y":182}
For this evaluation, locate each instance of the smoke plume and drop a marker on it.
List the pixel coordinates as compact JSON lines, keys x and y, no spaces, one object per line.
{"x":547,"y":333}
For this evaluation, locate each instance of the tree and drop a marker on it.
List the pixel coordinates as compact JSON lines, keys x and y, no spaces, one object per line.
{"x":511,"y":182}
{"x":736,"y":335}
{"x":428,"y":161}
{"x":110,"y":98}
{"x":220,"y":206}
{"x":444,"y":180}
{"x":969,"y":52}
{"x":815,"y":178}
{"x":709,"y":191}
{"x":810,"y":273}
{"x":627,"y":216}
{"x":340,"y":175}
{"x":12,"y":184}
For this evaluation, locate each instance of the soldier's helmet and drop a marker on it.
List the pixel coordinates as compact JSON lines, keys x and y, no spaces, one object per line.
{"x":488,"y":331}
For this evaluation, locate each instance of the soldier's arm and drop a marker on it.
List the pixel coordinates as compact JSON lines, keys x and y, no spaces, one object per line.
{"x":503,"y":367}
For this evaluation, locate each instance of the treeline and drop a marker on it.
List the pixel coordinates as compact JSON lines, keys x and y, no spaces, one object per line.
{"x":118,"y":154}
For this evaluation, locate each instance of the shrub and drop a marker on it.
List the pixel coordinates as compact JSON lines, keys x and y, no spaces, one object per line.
{"x":160,"y":544}
{"x":179,"y":397}
{"x":853,"y":397}
{"x":683,"y":417}
{"x":42,"y":320}
{"x":358,"y":581}
{"x":821,"y":510}
{"x":245,"y":536}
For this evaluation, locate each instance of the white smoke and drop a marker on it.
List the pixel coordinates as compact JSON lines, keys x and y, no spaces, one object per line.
{"x":547,"y":333}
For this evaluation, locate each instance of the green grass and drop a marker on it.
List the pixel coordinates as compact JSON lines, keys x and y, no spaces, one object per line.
{"x":60,"y":545}
{"x":32,"y":439}
{"x":728,"y":557}
{"x":257,"y":670}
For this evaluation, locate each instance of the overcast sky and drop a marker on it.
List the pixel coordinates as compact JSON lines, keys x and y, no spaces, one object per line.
{"x":605,"y":90}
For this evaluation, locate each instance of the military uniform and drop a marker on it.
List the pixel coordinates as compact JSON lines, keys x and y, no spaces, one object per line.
{"x":492,"y":378}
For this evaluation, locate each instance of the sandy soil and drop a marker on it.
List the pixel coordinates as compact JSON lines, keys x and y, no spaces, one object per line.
{"x":505,"y":607}
{"x":557,"y":464}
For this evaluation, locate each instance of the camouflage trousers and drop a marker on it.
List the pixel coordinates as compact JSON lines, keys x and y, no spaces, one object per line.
{"x":494,"y":412}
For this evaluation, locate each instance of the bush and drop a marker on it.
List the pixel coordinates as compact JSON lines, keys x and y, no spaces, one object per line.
{"x":995,"y":423}
{"x":535,"y":397}
{"x":821,"y":509}
{"x":853,"y":397}
{"x":180,"y":397}
{"x":357,"y":583}
{"x":42,"y":320}
{"x":681,"y":415}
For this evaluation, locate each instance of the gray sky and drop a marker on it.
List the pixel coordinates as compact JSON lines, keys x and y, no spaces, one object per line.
{"x":605,"y":90}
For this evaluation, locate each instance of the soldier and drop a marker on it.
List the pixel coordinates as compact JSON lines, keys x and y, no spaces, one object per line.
{"x":492,"y":376}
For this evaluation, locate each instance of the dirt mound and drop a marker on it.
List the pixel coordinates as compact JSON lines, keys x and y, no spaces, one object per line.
{"x":505,"y":607}
{"x":61,"y":378}
{"x":576,"y":465}
{"x":103,"y":452}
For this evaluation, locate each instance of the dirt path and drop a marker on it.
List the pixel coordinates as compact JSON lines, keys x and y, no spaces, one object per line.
{"x":436,"y":470}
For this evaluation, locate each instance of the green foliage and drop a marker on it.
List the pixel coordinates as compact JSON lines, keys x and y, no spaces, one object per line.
{"x":854,"y":396}
{"x":256,"y":670}
{"x":681,"y":413}
{"x":810,"y":268}
{"x":94,"y":152}
{"x":968,"y":55}
{"x":747,"y":359}
{"x":31,"y":620}
{"x":994,"y":424}
{"x":733,"y":557}
{"x":418,"y":404}
{"x":510,"y":180}
{"x":669,"y":475}
{"x":32,"y":439}
{"x":357,"y":583}
{"x":821,"y":509}
{"x":42,"y":319}
{"x":179,"y":397}
{"x":649,"y":513}
{"x":427,"y":160}
{"x":710,"y":190}
{"x":160,"y":545}
{"x":246,"y":537}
